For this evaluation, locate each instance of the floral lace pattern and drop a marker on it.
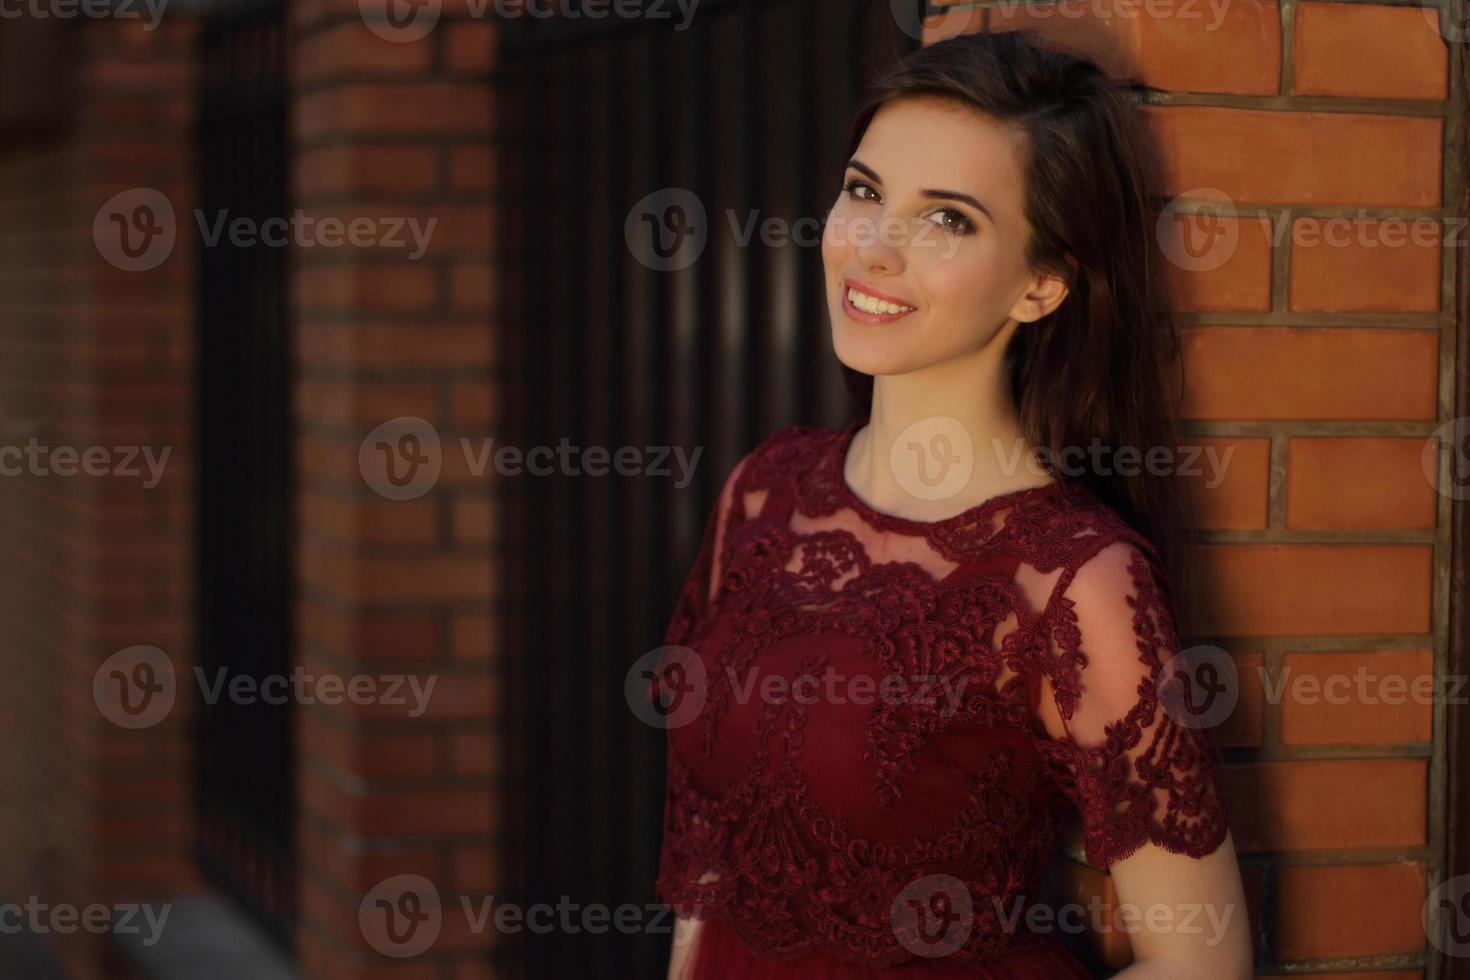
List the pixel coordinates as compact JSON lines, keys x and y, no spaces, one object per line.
{"x":866,"y":724}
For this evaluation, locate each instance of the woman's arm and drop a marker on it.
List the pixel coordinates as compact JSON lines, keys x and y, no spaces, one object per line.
{"x":685,"y":932}
{"x":1186,"y":916}
{"x":1142,"y":770}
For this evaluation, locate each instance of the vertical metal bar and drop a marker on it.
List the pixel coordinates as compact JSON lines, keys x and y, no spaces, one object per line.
{"x":245,"y":791}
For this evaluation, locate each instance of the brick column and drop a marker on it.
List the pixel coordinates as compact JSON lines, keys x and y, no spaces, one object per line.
{"x":96,"y":358}
{"x":389,"y":125}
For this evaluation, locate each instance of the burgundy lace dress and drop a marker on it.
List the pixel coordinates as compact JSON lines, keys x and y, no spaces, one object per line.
{"x":877,"y":727}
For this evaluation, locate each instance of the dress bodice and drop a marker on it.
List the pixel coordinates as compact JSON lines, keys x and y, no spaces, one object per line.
{"x":865,"y":710}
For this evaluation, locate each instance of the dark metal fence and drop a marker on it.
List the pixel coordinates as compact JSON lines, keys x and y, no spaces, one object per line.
{"x":747,"y":109}
{"x":245,"y":790}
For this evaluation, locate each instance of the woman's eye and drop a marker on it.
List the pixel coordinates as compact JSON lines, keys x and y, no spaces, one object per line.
{"x":962,"y":225}
{"x":851,"y":187}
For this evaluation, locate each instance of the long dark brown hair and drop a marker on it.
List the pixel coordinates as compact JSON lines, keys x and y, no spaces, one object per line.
{"x":1104,"y":365}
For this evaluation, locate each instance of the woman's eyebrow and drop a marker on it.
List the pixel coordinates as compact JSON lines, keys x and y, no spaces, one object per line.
{"x":932,"y":193}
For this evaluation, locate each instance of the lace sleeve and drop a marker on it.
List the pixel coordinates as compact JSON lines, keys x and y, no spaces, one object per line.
{"x":687,"y":876}
{"x":1138,"y":769}
{"x":699,"y":587}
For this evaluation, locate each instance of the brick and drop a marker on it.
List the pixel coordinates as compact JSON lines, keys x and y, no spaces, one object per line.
{"x":1361,"y":265}
{"x":1375,"y":910}
{"x":399,"y":579}
{"x":474,"y":519}
{"x":472,"y":636}
{"x":367,"y":169}
{"x":1329,"y":804}
{"x":419,"y":812}
{"x":475,"y":869}
{"x":1310,"y":373}
{"x":320,"y":956}
{"x":471,"y":287}
{"x":1231,"y":489}
{"x":1365,"y":50}
{"x":455,"y":695}
{"x":469,"y":46}
{"x":369,"y":755}
{"x":369,"y":636}
{"x":472,"y":405}
{"x":473,"y":753}
{"x":408,"y":232}
{"x":1301,"y":589}
{"x":1358,"y":482}
{"x":371,"y":288}
{"x":425,"y":109}
{"x":370,"y":521}
{"x":350,"y":48}
{"x":365,"y":405}
{"x":1246,"y":722}
{"x":355,"y":865}
{"x":449,"y":346}
{"x":1165,"y":46}
{"x":1392,"y":706}
{"x":1260,"y":156}
{"x":472,"y":168}
{"x":1229,"y":266}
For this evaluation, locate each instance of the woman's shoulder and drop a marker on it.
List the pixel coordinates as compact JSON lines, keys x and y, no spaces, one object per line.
{"x":1069,"y":526}
{"x":786,"y":455}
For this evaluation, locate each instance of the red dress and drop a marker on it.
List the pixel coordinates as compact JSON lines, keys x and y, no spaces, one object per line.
{"x":877,"y":727}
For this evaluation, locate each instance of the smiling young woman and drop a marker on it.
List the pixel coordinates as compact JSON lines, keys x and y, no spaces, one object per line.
{"x":993,"y":284}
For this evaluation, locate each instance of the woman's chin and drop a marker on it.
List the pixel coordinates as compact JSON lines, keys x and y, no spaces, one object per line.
{"x":862,"y":347}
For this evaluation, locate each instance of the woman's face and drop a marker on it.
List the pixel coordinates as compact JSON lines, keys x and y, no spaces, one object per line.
{"x":930,"y":221}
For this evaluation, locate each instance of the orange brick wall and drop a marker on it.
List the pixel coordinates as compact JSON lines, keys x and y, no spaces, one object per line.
{"x":93,"y":356}
{"x":1325,"y":363}
{"x":395,"y":128}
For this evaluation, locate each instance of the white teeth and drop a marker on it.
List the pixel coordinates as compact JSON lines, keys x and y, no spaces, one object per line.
{"x":870,"y":304}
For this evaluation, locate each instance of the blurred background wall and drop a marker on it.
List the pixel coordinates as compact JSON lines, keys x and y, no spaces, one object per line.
{"x":289,"y":471}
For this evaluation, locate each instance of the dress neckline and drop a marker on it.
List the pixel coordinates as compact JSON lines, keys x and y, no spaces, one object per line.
{"x":837,"y":462}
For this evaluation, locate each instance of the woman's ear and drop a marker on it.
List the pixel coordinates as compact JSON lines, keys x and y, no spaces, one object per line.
{"x":1044,"y":296}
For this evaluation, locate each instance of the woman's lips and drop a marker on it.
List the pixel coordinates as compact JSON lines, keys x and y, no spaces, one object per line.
{"x":866,"y":316}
